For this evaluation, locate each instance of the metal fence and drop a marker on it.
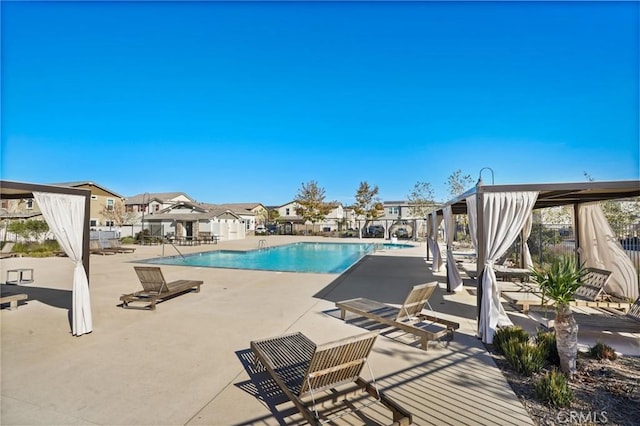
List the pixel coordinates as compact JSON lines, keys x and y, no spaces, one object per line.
{"x":548,"y":241}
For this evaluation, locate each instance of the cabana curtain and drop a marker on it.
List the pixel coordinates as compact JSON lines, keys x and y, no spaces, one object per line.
{"x":65,"y":216}
{"x":527,"y":262}
{"x":433,"y":242}
{"x":504,"y":215}
{"x":599,"y":248}
{"x":472,"y":213}
{"x":454,"y":282}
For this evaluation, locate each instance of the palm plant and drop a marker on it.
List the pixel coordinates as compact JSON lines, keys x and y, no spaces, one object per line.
{"x":560,"y":282}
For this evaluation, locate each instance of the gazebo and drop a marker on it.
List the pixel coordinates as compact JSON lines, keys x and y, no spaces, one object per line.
{"x":66,"y":211}
{"x":499,"y":213}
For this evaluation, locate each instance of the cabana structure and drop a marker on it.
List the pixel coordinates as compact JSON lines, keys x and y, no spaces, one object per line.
{"x":499,"y":213}
{"x":66,"y":211}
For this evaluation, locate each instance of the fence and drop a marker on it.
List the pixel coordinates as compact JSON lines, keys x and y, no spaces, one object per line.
{"x":548,"y":241}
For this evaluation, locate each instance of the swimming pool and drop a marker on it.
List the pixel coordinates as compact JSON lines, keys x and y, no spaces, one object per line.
{"x":328,"y":258}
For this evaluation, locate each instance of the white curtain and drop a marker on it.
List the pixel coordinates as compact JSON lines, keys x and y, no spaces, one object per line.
{"x":433,"y":242}
{"x":504,"y":215}
{"x":472,"y":213}
{"x":526,"y":253}
{"x":65,"y":216}
{"x":601,"y":249}
{"x":453,"y":275}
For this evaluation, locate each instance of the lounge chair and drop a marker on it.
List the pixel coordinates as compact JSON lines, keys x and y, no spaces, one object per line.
{"x":13,"y":300}
{"x":630,"y":322}
{"x":408,"y":318}
{"x":95,"y":247}
{"x":591,"y":294}
{"x":117,"y":246}
{"x":156,"y":288}
{"x":6,"y":250}
{"x":302,"y":370}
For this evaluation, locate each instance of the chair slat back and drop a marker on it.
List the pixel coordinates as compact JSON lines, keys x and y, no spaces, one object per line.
{"x":593,"y":284}
{"x":634,"y":311}
{"x":7,"y":247}
{"x":338,"y":362}
{"x":151,"y":278}
{"x":417,"y":299}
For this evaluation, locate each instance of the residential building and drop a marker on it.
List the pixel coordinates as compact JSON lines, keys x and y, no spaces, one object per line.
{"x":252,"y":213}
{"x":291,"y":222}
{"x":149,"y":203}
{"x":195,"y":220}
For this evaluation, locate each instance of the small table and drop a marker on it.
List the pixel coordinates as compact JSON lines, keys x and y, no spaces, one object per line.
{"x":20,"y":276}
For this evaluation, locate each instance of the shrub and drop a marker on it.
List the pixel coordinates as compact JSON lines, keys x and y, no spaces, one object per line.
{"x":128,"y":240}
{"x":546,"y":340}
{"x":504,"y":334}
{"x":553,"y":388}
{"x":526,"y":359}
{"x":602,"y":351}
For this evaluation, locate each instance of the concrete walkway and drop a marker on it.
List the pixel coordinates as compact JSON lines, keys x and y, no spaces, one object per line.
{"x":189,"y":362}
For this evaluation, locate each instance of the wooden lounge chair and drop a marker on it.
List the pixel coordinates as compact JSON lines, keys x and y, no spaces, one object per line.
{"x":156,"y":288}
{"x":590,"y":294}
{"x":629,"y":322}
{"x":95,"y":247}
{"x":117,"y":246}
{"x":6,"y":250}
{"x":303,"y":370}
{"x":13,"y":300}
{"x":408,"y":318}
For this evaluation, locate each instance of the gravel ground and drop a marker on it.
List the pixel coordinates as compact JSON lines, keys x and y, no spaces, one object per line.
{"x":605,"y":392}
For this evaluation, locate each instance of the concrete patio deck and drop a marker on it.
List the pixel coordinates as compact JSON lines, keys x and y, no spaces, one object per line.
{"x":188,"y":362}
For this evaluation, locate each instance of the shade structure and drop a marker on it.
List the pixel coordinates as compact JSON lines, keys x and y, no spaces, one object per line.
{"x":548,"y":195}
{"x":67,"y":216}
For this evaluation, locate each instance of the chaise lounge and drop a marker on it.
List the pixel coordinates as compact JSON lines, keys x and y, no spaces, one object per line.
{"x":302,"y":369}
{"x":591,"y":293}
{"x":156,"y":288}
{"x":408,"y":318}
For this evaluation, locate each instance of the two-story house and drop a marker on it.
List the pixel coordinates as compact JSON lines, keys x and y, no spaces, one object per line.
{"x":291,"y":223}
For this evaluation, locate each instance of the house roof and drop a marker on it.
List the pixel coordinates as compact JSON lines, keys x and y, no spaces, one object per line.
{"x":157,"y":196}
{"x":240,"y":206}
{"x":202,"y":211}
{"x":89,"y":183}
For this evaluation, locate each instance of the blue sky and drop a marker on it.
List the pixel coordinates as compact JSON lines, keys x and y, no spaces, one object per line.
{"x":243,"y":102}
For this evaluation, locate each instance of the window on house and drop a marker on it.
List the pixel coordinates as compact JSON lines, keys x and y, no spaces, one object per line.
{"x":93,"y":222}
{"x":109,"y":223}
{"x":4,"y":204}
{"x":393,"y":210}
{"x":94,"y":197}
{"x":156,"y":207}
{"x":286,"y":212}
{"x":29,"y":204}
{"x":110,"y":204}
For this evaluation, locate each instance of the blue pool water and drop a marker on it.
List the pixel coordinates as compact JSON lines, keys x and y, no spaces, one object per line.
{"x":330,"y":258}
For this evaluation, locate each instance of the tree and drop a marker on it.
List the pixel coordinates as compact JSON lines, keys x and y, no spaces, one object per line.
{"x":560,"y":282}
{"x":274,"y":215}
{"x":421,"y":202}
{"x":368,"y":205}
{"x":458,"y":184}
{"x":310,"y":202}
{"x":29,"y":229}
{"x":118,"y":214}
